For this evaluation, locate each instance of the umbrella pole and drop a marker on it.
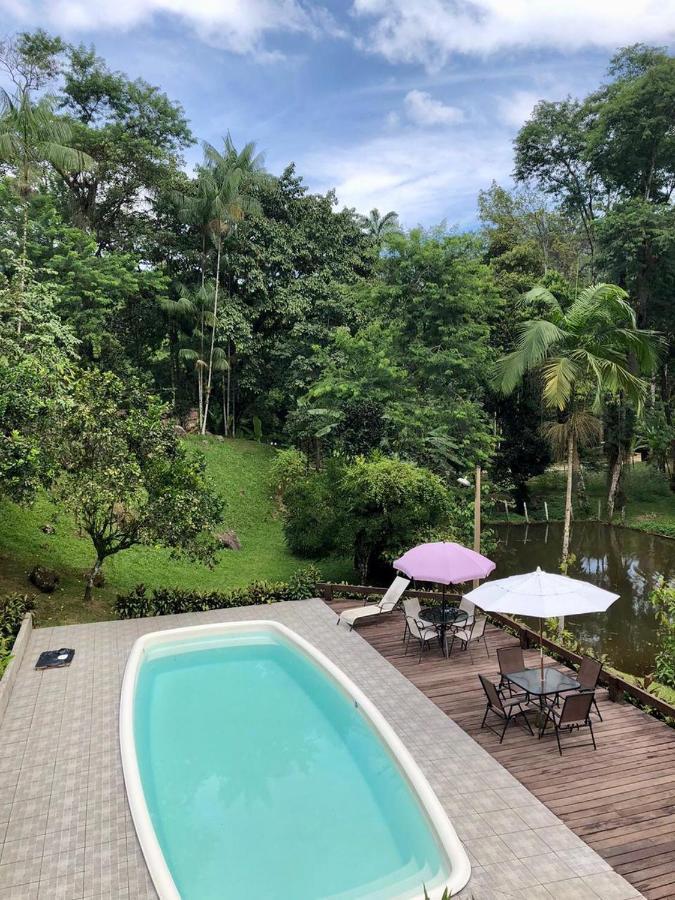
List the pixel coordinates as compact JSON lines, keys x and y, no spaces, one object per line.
{"x":541,"y":648}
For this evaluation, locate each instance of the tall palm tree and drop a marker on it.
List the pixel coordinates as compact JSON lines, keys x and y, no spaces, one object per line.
{"x":592,"y":349}
{"x":378,"y":226}
{"x":31,"y":136}
{"x":225,"y":191}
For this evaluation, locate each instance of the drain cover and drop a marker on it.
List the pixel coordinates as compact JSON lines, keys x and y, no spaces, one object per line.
{"x":54,"y":659}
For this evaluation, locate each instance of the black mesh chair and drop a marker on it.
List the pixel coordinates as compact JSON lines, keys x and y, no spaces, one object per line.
{"x":508,"y":709}
{"x":574,"y":715}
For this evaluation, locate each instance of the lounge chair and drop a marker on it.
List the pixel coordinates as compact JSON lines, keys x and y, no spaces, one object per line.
{"x":386,"y":604}
{"x":575,"y":714}
{"x":508,"y":709}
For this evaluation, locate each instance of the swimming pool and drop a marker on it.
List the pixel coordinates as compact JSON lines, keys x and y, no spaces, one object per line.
{"x":255,"y":768}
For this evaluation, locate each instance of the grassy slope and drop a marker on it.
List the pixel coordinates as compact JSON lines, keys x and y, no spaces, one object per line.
{"x":240,"y":471}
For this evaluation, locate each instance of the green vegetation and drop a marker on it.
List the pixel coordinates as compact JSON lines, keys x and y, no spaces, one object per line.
{"x":169,"y":601}
{"x":373,"y":510}
{"x":239,"y":469}
{"x":137,"y":297}
{"x":13,"y":608}
{"x":647,"y":501}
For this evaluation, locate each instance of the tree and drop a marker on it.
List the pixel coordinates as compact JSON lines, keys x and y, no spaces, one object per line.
{"x":582,"y":354}
{"x":127,"y":478}
{"x":374,"y":509}
{"x":136,"y":136}
{"x":37,"y":365}
{"x":31,"y":136}
{"x":378,"y":226}
{"x":225,"y":185}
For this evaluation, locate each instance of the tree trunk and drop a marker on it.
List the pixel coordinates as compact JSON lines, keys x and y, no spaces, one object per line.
{"x":224,"y":397}
{"x":200,"y":369}
{"x":229,"y":384}
{"x":568,"y":503}
{"x":24,"y":264}
{"x":209,"y":374}
{"x":614,"y":484}
{"x":91,"y":578}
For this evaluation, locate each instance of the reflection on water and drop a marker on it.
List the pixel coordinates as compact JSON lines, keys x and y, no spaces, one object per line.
{"x":625,"y":562}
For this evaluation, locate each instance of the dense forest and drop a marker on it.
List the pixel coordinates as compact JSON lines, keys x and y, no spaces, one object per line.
{"x":138,"y":300}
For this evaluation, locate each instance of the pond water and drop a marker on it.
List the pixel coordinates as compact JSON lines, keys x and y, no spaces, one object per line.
{"x":623,"y":561}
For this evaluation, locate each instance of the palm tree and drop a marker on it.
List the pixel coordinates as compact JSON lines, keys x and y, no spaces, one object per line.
{"x":226,"y":183}
{"x":378,"y":226}
{"x":30,"y":137}
{"x":582,"y":354}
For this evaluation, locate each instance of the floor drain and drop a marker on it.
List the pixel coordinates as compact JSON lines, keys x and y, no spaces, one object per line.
{"x":55,"y":659}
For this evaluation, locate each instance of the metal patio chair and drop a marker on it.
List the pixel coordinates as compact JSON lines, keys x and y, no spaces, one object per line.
{"x":574,"y":715}
{"x":510,"y":659}
{"x":506,"y":708}
{"x":422,"y":632}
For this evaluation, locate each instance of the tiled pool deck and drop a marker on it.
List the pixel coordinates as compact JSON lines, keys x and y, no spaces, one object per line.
{"x":65,"y":826}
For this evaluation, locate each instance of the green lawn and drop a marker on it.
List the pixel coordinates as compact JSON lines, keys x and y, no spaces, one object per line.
{"x":650,"y":504}
{"x":240,"y":471}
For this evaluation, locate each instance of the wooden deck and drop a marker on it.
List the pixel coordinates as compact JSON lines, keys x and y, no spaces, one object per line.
{"x":620,"y":799}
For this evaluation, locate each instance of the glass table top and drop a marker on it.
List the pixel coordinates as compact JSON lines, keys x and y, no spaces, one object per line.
{"x":442,"y":616}
{"x":554,"y":681}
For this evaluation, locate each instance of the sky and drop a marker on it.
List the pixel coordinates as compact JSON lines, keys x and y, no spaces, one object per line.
{"x":410,"y":105}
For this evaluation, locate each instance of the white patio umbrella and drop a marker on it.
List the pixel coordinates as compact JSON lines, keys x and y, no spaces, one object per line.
{"x":541,"y":595}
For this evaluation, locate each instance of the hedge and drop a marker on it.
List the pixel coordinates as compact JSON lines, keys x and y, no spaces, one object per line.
{"x":140,"y":603}
{"x":13,"y":607}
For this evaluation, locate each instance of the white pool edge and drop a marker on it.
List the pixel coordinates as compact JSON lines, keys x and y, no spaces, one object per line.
{"x":448,"y":841}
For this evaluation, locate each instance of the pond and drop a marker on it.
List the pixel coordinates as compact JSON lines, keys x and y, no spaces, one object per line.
{"x":626,"y":562}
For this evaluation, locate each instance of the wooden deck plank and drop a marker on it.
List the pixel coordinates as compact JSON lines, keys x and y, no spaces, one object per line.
{"x":620,"y":799}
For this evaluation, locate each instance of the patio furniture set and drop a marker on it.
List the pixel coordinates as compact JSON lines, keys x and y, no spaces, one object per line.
{"x":521,"y":691}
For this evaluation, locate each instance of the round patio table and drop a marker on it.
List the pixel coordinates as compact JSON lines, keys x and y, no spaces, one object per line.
{"x":443,"y":617}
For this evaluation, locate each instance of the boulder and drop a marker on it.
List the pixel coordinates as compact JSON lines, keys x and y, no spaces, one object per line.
{"x":44,"y":579}
{"x":47,"y":528}
{"x":191,"y":421}
{"x":229,"y":540}
{"x":179,"y":430}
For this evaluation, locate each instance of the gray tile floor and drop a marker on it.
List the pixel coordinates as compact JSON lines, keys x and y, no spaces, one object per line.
{"x":65,"y":828}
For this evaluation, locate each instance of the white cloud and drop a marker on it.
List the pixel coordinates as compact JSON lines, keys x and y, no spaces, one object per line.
{"x":430,"y":32}
{"x":515,"y":109}
{"x":422,"y":109}
{"x":237,"y":25}
{"x":420,"y":174}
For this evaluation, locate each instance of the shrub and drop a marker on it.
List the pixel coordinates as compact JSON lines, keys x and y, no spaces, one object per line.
{"x":373,"y":509}
{"x":662,"y":599}
{"x":13,"y":607}
{"x":289,"y":467}
{"x":139,"y":603}
{"x":310,"y":515}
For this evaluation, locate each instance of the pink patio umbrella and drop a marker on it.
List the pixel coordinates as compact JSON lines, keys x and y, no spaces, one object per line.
{"x":444,"y":562}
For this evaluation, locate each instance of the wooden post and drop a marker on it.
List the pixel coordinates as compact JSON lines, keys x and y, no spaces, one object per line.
{"x":476,"y":516}
{"x":476,"y":512}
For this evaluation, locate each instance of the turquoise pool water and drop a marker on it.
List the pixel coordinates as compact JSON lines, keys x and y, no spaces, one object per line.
{"x":263,"y":779}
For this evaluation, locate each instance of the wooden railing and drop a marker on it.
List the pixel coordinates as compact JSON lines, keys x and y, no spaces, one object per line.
{"x":617,"y":686}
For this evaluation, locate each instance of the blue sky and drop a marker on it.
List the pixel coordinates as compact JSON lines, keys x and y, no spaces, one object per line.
{"x":409,"y":105}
